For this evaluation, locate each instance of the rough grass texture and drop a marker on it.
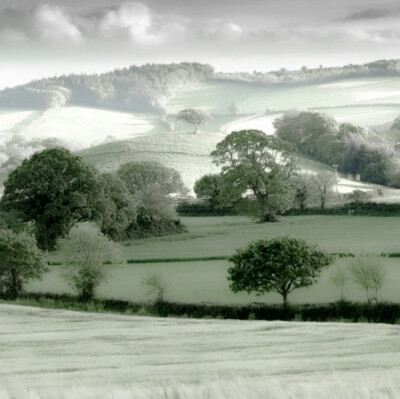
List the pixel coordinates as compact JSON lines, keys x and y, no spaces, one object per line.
{"x":62,"y":354}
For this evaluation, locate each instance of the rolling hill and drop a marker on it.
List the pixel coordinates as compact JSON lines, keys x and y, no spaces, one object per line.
{"x":107,"y":137}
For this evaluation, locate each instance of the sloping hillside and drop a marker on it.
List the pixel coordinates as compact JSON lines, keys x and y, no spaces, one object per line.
{"x":187,"y":153}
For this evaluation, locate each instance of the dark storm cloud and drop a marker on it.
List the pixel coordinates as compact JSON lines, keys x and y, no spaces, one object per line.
{"x":373,"y":13}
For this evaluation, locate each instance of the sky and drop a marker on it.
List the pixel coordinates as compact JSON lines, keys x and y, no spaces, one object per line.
{"x":45,"y":38}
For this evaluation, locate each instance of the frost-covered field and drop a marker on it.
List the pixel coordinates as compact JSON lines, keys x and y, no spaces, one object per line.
{"x":62,"y":354}
{"x":362,"y":101}
{"x":187,"y":153}
{"x":77,"y":127}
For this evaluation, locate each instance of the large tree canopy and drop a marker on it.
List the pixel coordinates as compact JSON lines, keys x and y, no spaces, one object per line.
{"x":252,"y":160}
{"x":281,"y":265}
{"x":53,"y":188}
{"x":140,"y":176}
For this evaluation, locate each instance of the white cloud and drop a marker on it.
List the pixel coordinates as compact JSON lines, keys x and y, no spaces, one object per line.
{"x":53,"y":24}
{"x":133,"y":20}
{"x":217,"y":29}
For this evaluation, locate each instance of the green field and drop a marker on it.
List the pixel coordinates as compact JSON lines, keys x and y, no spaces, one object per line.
{"x":205,"y":281}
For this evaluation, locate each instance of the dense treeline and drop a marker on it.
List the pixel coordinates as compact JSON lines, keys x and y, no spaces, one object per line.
{"x":315,"y":75}
{"x":352,"y":149}
{"x":53,"y":190}
{"x":137,"y":88}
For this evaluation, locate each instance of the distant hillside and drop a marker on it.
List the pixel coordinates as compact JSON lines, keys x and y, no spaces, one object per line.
{"x":135,"y":89}
{"x":316,"y":75}
{"x":149,"y":87}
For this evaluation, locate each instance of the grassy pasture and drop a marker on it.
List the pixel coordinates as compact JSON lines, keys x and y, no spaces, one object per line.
{"x":79,"y":355}
{"x":220,"y":236}
{"x":205,"y":281}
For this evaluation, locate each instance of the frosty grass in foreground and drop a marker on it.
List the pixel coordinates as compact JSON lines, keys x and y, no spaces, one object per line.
{"x":79,"y":355}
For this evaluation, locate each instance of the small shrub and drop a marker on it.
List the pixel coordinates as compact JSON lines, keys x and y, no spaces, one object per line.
{"x":252,"y":316}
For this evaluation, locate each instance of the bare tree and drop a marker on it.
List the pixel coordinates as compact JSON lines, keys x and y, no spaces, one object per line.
{"x":340,"y":278}
{"x":368,"y":271}
{"x":323,"y":183}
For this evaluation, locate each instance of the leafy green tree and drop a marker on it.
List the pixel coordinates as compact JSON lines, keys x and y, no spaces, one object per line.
{"x":53,"y":188}
{"x":376,"y":173}
{"x":20,"y":261}
{"x":208,"y":187}
{"x":87,"y":256}
{"x":196,"y":117}
{"x":304,"y":129}
{"x":280,"y":265}
{"x":116,"y":207}
{"x":139,"y":176}
{"x":263,"y":164}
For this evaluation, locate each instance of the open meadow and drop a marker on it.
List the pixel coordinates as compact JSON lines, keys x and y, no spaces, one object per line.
{"x":81,"y":355}
{"x":205,"y":281}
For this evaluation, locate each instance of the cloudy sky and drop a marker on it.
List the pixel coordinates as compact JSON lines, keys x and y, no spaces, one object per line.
{"x":43,"y":38}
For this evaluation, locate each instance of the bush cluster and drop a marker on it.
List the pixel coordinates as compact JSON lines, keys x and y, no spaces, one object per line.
{"x":186,"y":208}
{"x":349,"y":147}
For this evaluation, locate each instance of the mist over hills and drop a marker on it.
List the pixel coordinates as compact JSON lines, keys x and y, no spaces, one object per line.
{"x":147,"y":88}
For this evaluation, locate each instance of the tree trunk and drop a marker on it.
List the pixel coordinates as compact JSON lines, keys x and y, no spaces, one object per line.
{"x":285,"y":299}
{"x":196,"y":128}
{"x":322,"y":202}
{"x":266,"y":215}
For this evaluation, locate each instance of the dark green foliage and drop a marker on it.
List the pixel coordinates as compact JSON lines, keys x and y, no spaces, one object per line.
{"x":376,"y":173}
{"x":359,"y":208}
{"x":252,"y":160}
{"x":174,"y":260}
{"x":209,"y":188}
{"x":20,"y":261}
{"x":14,"y":221}
{"x":116,"y":207}
{"x":320,"y":137}
{"x":186,"y":208}
{"x":148,"y":224}
{"x":338,"y":311}
{"x":53,"y":188}
{"x":152,"y":185}
{"x":281,"y":265}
